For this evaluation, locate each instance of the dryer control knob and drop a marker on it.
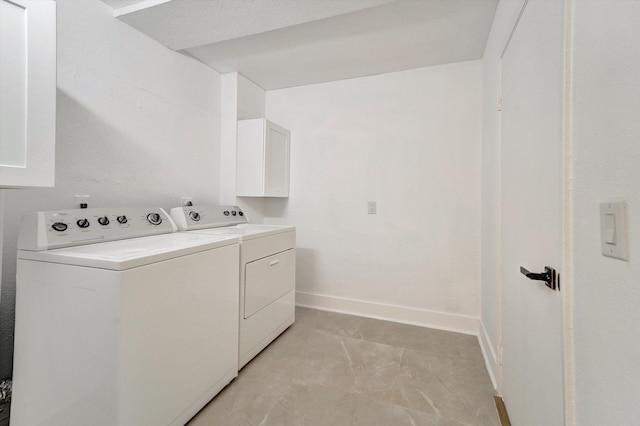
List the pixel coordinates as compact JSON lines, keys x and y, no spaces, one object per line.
{"x":240,"y":213}
{"x":195,"y":216}
{"x":233,"y":213}
{"x":226,"y":212}
{"x":122,"y":219}
{"x":59,"y":226}
{"x":154,"y":218}
{"x":103,"y":220}
{"x":83,"y":223}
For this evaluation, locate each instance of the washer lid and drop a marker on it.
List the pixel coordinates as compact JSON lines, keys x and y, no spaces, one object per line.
{"x":247,"y":231}
{"x":131,"y":253}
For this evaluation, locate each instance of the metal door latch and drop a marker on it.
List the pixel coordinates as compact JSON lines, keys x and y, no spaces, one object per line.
{"x":549,"y":276}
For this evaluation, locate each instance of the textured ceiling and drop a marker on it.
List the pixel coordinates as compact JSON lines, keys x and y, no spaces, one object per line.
{"x":285,"y":43}
{"x":180,"y":24}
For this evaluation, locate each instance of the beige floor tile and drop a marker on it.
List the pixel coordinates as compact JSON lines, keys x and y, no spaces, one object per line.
{"x":335,"y":369}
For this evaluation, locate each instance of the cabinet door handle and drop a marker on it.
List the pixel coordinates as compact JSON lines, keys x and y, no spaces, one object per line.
{"x":274,"y":262}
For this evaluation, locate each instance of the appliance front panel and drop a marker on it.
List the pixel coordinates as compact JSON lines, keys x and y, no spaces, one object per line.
{"x":268,"y":279}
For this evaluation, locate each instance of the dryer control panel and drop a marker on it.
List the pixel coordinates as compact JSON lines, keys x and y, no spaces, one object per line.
{"x":65,"y":228}
{"x":190,"y":218}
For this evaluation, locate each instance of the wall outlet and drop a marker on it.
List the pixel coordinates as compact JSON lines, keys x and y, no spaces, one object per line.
{"x":372,"y":207}
{"x":81,"y":201}
{"x":186,"y":201}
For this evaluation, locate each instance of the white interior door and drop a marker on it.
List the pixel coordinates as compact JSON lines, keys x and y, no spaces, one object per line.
{"x":532,"y":158}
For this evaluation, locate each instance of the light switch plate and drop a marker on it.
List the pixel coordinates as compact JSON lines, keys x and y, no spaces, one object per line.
{"x":609,"y":228}
{"x":613,"y":230}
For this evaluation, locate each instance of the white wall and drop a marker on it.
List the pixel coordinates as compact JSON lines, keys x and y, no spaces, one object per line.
{"x":411,"y":142}
{"x":252,"y":99}
{"x":137,"y":124}
{"x":606,"y":141}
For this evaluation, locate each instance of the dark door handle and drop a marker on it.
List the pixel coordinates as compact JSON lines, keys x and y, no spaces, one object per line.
{"x":549,"y":276}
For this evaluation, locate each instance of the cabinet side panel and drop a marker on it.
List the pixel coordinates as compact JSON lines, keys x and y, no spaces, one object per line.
{"x":250,"y":158}
{"x":277,"y":161}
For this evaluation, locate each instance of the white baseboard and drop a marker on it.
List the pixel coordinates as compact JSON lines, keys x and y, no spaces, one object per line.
{"x":489,"y":354}
{"x":402,"y":314}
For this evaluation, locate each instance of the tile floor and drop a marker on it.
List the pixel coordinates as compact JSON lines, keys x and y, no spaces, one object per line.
{"x":334,"y":369}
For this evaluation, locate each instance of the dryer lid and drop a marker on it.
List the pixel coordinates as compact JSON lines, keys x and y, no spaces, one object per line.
{"x":248,"y":231}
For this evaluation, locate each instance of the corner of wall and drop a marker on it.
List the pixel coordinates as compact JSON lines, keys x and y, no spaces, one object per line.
{"x":252,"y":99}
{"x":241,"y":99}
{"x":228,"y":135}
{"x":490,"y":357}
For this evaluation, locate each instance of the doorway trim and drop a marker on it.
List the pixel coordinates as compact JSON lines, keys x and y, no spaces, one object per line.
{"x":567,"y":216}
{"x":567,"y":220}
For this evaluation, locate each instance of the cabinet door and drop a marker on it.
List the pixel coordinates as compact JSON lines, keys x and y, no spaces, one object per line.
{"x":276,"y":161}
{"x":27,"y":92}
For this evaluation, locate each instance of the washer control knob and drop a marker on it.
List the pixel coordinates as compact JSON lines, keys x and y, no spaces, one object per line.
{"x":103,"y":220}
{"x":240,"y":213}
{"x":226,"y":212}
{"x":233,"y":213}
{"x":122,"y":219}
{"x":59,"y":226}
{"x":83,"y":223}
{"x":195,"y":216}
{"x":154,"y":218}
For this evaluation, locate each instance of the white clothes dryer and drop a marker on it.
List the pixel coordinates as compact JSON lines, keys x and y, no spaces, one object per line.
{"x":114,"y":330}
{"x":267,"y":271}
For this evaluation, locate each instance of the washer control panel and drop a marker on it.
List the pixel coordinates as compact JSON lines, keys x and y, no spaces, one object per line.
{"x":66,"y":228}
{"x":189,"y":218}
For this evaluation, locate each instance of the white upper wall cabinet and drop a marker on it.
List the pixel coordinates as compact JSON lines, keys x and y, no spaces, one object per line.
{"x":27,"y":93}
{"x":262,"y":159}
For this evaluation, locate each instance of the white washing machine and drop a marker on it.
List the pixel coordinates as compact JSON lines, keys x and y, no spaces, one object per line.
{"x":114,"y":330}
{"x":267,"y":271}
